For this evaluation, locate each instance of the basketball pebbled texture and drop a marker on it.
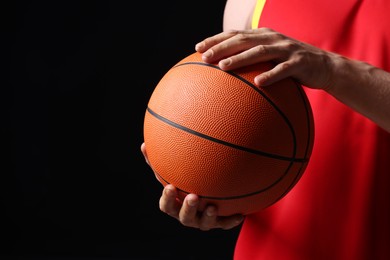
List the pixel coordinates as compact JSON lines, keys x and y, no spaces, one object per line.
{"x":214,"y":133}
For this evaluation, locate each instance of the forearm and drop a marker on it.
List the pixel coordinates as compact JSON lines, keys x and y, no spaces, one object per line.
{"x":364,"y":88}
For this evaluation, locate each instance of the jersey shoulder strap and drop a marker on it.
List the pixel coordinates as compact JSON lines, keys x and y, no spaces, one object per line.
{"x":257,"y":13}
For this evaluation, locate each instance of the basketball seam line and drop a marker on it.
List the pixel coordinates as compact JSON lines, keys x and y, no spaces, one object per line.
{"x":255,"y":88}
{"x":213,"y":139}
{"x":243,"y":195}
{"x":292,"y":160}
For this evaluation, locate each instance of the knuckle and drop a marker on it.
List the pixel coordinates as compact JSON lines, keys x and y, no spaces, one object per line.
{"x":186,"y":222}
{"x":290,"y":45}
{"x":281,"y":37}
{"x":300,"y":58}
{"x":272,"y":35}
{"x":232,"y":32}
{"x":266,"y":76}
{"x":165,"y":209}
{"x":204,"y":228}
{"x":161,"y":205}
{"x":285,"y":65}
{"x":265,"y":29}
{"x":243,"y":37}
{"x":261,"y":50}
{"x":286,"y":46}
{"x":207,"y":41}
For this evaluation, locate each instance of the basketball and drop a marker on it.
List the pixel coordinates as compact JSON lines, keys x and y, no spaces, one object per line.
{"x":216,"y":134}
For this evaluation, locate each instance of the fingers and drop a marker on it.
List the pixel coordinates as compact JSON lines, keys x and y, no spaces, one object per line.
{"x":227,"y":44}
{"x":279,"y":72}
{"x":168,"y":201}
{"x":237,"y":49}
{"x":256,"y":54}
{"x":231,"y":222}
{"x":188,"y":214}
{"x":208,"y":219}
{"x":143,"y":150}
{"x":307,"y":64}
{"x":214,"y":40}
{"x":264,"y":35}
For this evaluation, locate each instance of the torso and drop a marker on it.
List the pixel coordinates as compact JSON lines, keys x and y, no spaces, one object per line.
{"x":340,"y":208}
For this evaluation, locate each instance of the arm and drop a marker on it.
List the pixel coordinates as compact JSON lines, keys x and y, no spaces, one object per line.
{"x":359,"y":85}
{"x":363,"y":87}
{"x":238,"y":14}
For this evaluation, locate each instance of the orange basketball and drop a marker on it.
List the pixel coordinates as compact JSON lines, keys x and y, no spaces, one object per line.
{"x":214,"y":133}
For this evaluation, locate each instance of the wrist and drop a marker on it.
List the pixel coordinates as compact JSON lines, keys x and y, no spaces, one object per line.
{"x":346,"y":75}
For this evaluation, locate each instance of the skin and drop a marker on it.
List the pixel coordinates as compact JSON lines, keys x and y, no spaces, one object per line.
{"x":361,"y":86}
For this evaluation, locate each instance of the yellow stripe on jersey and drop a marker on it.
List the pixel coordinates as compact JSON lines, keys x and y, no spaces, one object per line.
{"x":257,"y":13}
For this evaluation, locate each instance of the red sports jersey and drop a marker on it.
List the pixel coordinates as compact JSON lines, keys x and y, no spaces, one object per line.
{"x":340,"y":209}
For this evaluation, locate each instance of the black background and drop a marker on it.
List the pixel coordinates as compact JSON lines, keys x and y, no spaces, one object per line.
{"x":76,"y":80}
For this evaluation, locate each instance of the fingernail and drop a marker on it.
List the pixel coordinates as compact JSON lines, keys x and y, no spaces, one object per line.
{"x":210,"y":211}
{"x":199,"y":46}
{"x":225,"y":62}
{"x":169,"y":192}
{"x":260,"y":80}
{"x":239,"y":219}
{"x":207,"y":54}
{"x":192,"y":202}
